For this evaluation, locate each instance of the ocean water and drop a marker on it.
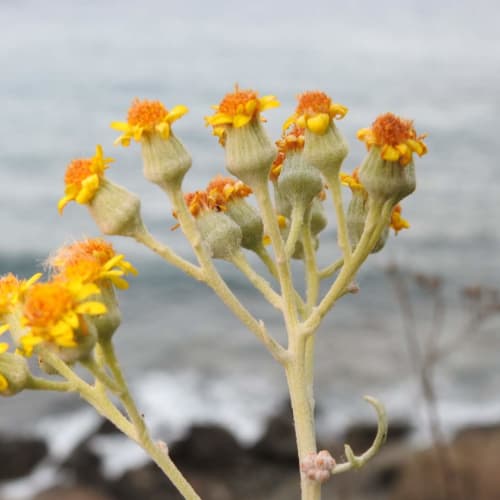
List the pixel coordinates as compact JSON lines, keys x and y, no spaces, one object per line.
{"x":68,"y":71}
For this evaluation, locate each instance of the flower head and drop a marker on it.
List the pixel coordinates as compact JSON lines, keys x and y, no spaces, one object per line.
{"x":395,"y":137}
{"x":83,"y":178}
{"x":237,"y":109}
{"x":397,"y":221}
{"x":147,"y":117}
{"x":290,"y":141}
{"x":315,"y":111}
{"x":53,"y":313}
{"x":222,"y":190}
{"x":89,"y":261}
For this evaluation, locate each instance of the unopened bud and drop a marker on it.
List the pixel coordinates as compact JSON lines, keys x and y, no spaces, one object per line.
{"x":166,"y":161}
{"x":220,"y":233}
{"x":14,"y":374}
{"x":116,"y":211}
{"x":249,"y":221}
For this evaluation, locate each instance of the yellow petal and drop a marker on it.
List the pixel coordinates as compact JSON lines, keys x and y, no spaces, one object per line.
{"x":32,"y":280}
{"x":177,"y":112}
{"x":3,"y":329}
{"x":219,"y":119}
{"x":62,"y":203}
{"x":268,"y":102}
{"x":91,"y":308}
{"x":241,"y":120}
{"x":251,"y":106}
{"x":3,"y":347}
{"x":121,"y":126}
{"x":389,"y":153}
{"x":4,"y":383}
{"x":338,"y":111}
{"x":120,"y":283}
{"x":319,"y":123}
{"x":289,"y":121}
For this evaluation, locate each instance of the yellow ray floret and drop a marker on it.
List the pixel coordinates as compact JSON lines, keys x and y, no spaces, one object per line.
{"x":395,"y":137}
{"x":83,"y":178}
{"x":147,"y":117}
{"x":12,"y":291}
{"x":237,"y":109}
{"x":397,"y":221}
{"x":315,"y":112}
{"x":89,"y":261}
{"x":352,"y":181}
{"x":54,"y":312}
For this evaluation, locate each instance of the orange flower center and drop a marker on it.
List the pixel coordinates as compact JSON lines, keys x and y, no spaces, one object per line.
{"x":196,"y":202}
{"x":292,"y":141}
{"x":78,"y":171}
{"x":392,"y":130}
{"x":229,"y":187}
{"x":146,"y":113}
{"x":96,"y":248}
{"x":84,"y":268}
{"x":313,"y":102}
{"x":46,"y":303}
{"x":233,"y":104}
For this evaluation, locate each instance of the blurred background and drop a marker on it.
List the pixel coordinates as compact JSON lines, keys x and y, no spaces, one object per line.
{"x":70,"y":68}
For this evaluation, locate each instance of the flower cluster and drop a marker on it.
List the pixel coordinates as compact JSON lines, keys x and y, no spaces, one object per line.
{"x":60,"y":314}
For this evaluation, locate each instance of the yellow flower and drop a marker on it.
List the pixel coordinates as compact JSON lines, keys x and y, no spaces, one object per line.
{"x":53,"y":314}
{"x":238,"y":109}
{"x":315,"y":112}
{"x":91,"y":260}
{"x":147,"y":117}
{"x":395,"y":137}
{"x":12,"y":291}
{"x":397,"y":221}
{"x":83,"y":179}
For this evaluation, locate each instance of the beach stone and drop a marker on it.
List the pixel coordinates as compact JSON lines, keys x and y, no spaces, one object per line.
{"x":84,"y":465}
{"x":208,"y":446}
{"x":278,"y":440}
{"x":19,"y":455}
{"x":72,"y":493}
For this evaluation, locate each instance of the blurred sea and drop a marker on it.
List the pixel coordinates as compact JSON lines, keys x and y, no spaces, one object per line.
{"x":69,"y":70}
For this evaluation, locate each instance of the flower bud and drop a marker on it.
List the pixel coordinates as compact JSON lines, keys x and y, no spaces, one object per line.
{"x":237,"y":123}
{"x":318,"y":216}
{"x":325,"y":148}
{"x":165,"y":161}
{"x":220,"y":233}
{"x":299,"y":182}
{"x":249,"y":153}
{"x":326,"y":152}
{"x":14,"y":374}
{"x":106,"y":324}
{"x":388,"y":172}
{"x":386,"y":180}
{"x":116,"y":211}
{"x":249,"y":221}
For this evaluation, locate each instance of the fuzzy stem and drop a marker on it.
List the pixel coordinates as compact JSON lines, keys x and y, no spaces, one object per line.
{"x":213,"y":279}
{"x":331,"y":269}
{"x":333,"y":182}
{"x":143,"y":438}
{"x":297,"y":222}
{"x":167,"y":254}
{"x":240,"y":261}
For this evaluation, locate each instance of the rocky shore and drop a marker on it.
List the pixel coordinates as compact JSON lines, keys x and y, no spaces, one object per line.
{"x":220,"y":468}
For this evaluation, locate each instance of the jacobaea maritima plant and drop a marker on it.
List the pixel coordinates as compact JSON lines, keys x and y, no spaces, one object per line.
{"x":72,"y":316}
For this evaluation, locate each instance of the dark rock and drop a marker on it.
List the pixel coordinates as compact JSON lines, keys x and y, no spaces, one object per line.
{"x":106,"y":428}
{"x":71,"y":493}
{"x":84,"y":465}
{"x":278,"y":441}
{"x":19,"y":455}
{"x":207,"y":446}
